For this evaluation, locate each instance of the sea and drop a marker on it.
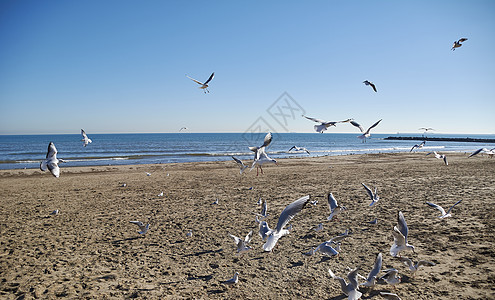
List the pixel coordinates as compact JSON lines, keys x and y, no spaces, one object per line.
{"x":26,"y":151}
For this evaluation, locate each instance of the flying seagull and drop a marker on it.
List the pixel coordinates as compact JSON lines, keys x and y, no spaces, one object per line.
{"x":444,"y":214}
{"x":260,"y":156}
{"x":51,"y":162}
{"x":373,"y":195}
{"x":371,"y":280}
{"x":365,"y":134}
{"x":390,"y":296}
{"x":142,"y":227}
{"x":418,"y":146}
{"x":366,"y":82}
{"x":203,"y":86}
{"x":457,"y":44}
{"x":324,"y":124}
{"x":483,"y":150}
{"x":242,"y":243}
{"x":85,"y":138}
{"x":391,"y":277}
{"x":414,"y":267}
{"x":349,"y":289}
{"x":242,"y":166}
{"x":182,"y":128}
{"x":335,"y":209}
{"x":426,"y":129}
{"x":400,"y":236}
{"x":299,"y":149}
{"x":287,"y":214}
{"x":440,"y":156}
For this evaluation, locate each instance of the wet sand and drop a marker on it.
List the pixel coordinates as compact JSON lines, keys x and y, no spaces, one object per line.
{"x":90,"y":250}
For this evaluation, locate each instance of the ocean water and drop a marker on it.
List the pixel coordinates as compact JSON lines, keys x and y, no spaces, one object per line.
{"x":26,"y":151}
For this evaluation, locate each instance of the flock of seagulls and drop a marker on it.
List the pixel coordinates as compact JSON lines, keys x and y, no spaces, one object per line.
{"x":320,"y":128}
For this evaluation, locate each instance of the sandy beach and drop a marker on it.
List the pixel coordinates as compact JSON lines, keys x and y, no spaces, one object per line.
{"x":90,"y":250}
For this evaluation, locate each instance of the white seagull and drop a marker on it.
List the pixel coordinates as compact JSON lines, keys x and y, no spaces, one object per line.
{"x":241,"y":165}
{"x":444,"y":214}
{"x":233,"y":280}
{"x":366,"y":134}
{"x":366,"y":82}
{"x":390,"y":296}
{"x":160,"y":195}
{"x":327,"y":250}
{"x":260,"y":156}
{"x":490,"y":152}
{"x":299,"y":149}
{"x":55,"y":212}
{"x":85,"y":138}
{"x":51,"y":162}
{"x":349,"y":289}
{"x":373,"y":195}
{"x":264,"y":230}
{"x":182,"y":128}
{"x":203,"y":86}
{"x":287,"y":214}
{"x":391,"y":277}
{"x":414,"y":267}
{"x":457,"y":44}
{"x":418,"y":146}
{"x":335,"y":209}
{"x":319,"y":227}
{"x":400,"y":237}
{"x":242,"y":243}
{"x":371,"y":280}
{"x":324,"y":124}
{"x":142,"y":227}
{"x":440,"y":156}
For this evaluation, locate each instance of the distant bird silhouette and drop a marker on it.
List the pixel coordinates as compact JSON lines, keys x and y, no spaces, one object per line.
{"x":457,"y":44}
{"x":203,"y":86}
{"x":366,"y":82}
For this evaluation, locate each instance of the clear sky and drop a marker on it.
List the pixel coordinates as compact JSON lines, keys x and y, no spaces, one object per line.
{"x":119,"y":66}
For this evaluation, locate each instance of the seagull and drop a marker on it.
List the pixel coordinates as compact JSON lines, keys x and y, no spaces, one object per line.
{"x":371,"y":280}
{"x":123,"y":185}
{"x":426,"y":129}
{"x":189,"y":233}
{"x":264,"y":229}
{"x":374,"y":222}
{"x":440,"y":156}
{"x":160,"y":195}
{"x":391,"y":277}
{"x":232,"y":281}
{"x":366,"y":82}
{"x":182,"y":128}
{"x":414,"y":267}
{"x":400,"y":236}
{"x":319,"y":227}
{"x":335,"y":209}
{"x":390,"y":296}
{"x":444,"y":214}
{"x":260,"y":156}
{"x":51,"y":162}
{"x":259,"y":201}
{"x":299,"y":149}
{"x":287,"y":214}
{"x":203,"y":86}
{"x":85,"y":138}
{"x":242,"y":243}
{"x":349,"y":289}
{"x":457,"y":44}
{"x":418,"y":146}
{"x":143,"y":228}
{"x":148,"y":174}
{"x":215,"y":202}
{"x":366,"y":134}
{"x":483,"y":150}
{"x":373,"y":195}
{"x":55,"y":212}
{"x":326,"y":249}
{"x":264,"y":210}
{"x":324,"y":124}
{"x":242,"y":166}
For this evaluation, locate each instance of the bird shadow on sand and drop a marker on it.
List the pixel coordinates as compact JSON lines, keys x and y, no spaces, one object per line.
{"x":204,"y":252}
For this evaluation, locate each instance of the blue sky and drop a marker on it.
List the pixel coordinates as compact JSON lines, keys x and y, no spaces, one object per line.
{"x":119,"y":66}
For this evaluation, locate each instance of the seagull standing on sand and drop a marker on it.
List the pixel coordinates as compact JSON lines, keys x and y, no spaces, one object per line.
{"x":232,"y":281}
{"x":287,"y":214}
{"x":142,"y":227}
{"x":335,"y":209}
{"x":444,"y":214}
{"x":457,"y":44}
{"x":371,"y":280}
{"x":260,"y":156}
{"x":203,"y":86}
{"x":299,"y":149}
{"x":264,"y":230}
{"x":414,"y":267}
{"x":85,"y":138}
{"x":373,"y":195}
{"x":440,"y":156}
{"x":349,"y":289}
{"x":418,"y":146}
{"x":242,"y":166}
{"x":242,"y":243}
{"x":400,"y":237}
{"x":324,"y":124}
{"x":366,"y":82}
{"x":366,"y":134}
{"x":51,"y":162}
